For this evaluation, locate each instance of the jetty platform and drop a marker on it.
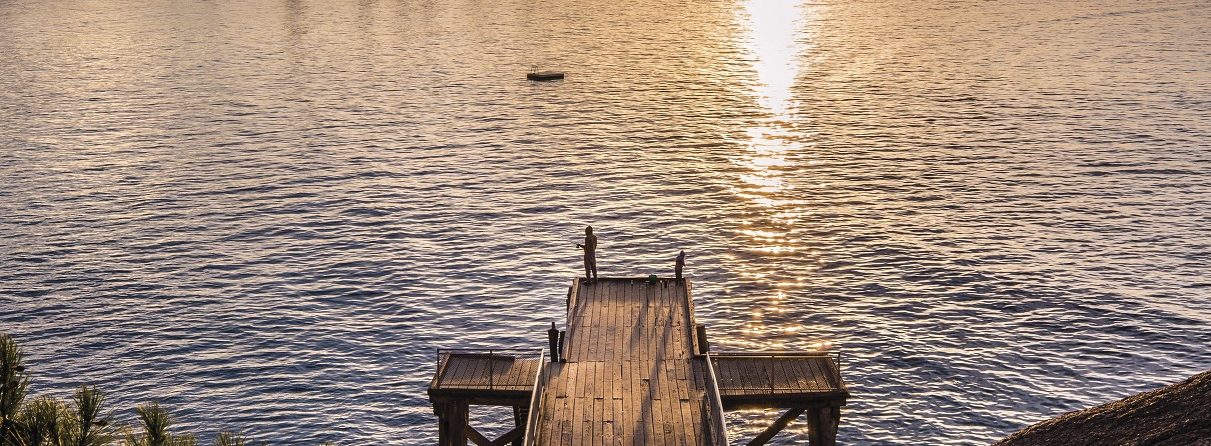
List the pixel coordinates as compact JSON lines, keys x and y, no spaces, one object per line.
{"x":633,"y":367}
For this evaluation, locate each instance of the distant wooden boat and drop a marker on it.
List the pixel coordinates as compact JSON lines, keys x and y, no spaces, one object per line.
{"x":541,"y":76}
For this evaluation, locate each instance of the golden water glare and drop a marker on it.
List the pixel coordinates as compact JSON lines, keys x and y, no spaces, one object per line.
{"x":773,"y":42}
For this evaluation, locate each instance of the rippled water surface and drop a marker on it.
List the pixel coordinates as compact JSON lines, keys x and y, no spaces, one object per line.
{"x":268,"y":213}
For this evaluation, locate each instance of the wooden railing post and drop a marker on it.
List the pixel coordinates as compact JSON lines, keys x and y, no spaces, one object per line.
{"x":769,"y":373}
{"x":561,"y":352}
{"x":703,"y":344}
{"x":520,"y":415}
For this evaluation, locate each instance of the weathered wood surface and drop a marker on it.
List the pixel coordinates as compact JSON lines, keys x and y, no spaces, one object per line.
{"x":750,"y":381}
{"x":631,"y":377}
{"x":774,"y":375}
{"x":483,"y":371}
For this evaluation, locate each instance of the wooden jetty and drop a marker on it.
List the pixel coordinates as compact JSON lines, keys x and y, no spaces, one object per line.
{"x":633,"y":368}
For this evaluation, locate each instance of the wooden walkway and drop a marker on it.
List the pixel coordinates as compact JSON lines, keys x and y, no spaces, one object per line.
{"x":631,"y":376}
{"x":636,"y":370}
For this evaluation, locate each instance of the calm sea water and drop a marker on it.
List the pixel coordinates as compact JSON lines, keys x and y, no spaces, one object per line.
{"x":266,"y":214}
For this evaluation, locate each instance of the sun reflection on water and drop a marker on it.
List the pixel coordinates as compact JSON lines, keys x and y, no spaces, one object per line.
{"x":773,"y":45}
{"x":773,"y":42}
{"x":773,"y":26}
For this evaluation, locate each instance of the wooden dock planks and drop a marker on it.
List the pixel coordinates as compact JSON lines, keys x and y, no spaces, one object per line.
{"x":755,"y":380}
{"x":471,"y":371}
{"x":631,"y":377}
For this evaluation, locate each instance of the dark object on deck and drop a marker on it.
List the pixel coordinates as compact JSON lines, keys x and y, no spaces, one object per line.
{"x":680,"y":266}
{"x":635,"y":370}
{"x":703,"y":345}
{"x":541,"y":76}
{"x":1170,"y":416}
{"x":553,"y":340}
{"x":560,"y":349}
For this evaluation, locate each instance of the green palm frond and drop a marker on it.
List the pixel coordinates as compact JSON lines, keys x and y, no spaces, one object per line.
{"x":155,"y":429}
{"x":13,"y":381}
{"x":50,"y":422}
{"x":129,"y":438}
{"x":90,"y":428}
{"x":228,"y":438}
{"x":155,"y":423}
{"x":43,"y":422}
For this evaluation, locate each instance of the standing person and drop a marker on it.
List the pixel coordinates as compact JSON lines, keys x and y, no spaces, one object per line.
{"x":590,"y":254}
{"x":680,"y":264}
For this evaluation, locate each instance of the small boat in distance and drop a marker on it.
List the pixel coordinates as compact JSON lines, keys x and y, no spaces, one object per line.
{"x":541,"y":76}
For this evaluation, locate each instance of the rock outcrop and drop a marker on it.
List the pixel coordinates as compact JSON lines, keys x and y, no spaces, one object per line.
{"x":1177,"y":415}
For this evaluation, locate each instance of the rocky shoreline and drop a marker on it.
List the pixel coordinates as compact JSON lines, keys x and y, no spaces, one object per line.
{"x":1175,"y":415}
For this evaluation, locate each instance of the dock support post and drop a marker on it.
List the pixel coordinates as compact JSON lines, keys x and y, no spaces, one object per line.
{"x":822,"y":425}
{"x":452,"y":419}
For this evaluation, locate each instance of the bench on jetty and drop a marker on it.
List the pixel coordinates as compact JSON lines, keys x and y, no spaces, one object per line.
{"x":634,"y":368}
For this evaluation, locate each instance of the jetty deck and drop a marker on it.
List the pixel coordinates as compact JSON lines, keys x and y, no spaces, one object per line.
{"x":506,"y":374}
{"x":633,"y":368}
{"x":631,"y":375}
